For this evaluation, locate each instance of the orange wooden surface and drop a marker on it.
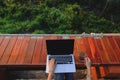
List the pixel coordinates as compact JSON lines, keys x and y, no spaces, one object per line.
{"x":94,"y":50}
{"x":115,"y":47}
{"x":23,"y":50}
{"x":110,"y":51}
{"x":27,"y":50}
{"x":103,"y":71}
{"x":8,"y":50}
{"x":37,"y":51}
{"x":94,"y":73}
{"x":2,"y":48}
{"x":32,"y":50}
{"x":15,"y":51}
{"x":87,"y":49}
{"x":104,"y":52}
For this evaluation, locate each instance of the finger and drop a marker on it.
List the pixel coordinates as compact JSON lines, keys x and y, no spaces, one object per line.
{"x":53,"y":60}
{"x":86,"y":59}
{"x":89,"y":60}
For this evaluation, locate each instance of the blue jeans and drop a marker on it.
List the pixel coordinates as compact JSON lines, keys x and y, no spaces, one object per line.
{"x":64,"y":76}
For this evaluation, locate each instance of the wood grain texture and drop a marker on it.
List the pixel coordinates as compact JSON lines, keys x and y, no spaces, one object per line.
{"x":115,"y":47}
{"x":30,"y":51}
{"x":105,"y":55}
{"x":97,"y":52}
{"x":87,"y":48}
{"x":8,"y":50}
{"x":37,"y":51}
{"x":93,"y":49}
{"x":107,"y":48}
{"x":117,"y":38}
{"x":3,"y":47}
{"x":15,"y":51}
{"x":23,"y":50}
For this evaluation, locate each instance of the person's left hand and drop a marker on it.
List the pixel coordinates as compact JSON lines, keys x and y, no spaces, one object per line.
{"x":52,"y":65}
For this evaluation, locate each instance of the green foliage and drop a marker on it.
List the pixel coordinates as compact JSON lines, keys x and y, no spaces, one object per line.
{"x":93,"y":23}
{"x":50,"y":16}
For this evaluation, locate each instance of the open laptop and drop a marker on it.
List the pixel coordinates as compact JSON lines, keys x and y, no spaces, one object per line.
{"x":62,"y":51}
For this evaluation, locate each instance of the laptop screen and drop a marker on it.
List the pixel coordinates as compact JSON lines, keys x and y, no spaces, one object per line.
{"x":60,"y":47}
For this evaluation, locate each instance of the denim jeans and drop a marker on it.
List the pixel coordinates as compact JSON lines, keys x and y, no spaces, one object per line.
{"x":64,"y":76}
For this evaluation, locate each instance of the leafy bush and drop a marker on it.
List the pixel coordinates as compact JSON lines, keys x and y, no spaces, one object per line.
{"x":57,"y":17}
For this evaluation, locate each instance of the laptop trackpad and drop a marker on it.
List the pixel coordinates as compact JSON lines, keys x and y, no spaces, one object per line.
{"x":65,"y":68}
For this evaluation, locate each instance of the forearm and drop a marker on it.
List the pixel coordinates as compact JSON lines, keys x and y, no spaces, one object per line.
{"x":89,"y":77}
{"x":50,"y":76}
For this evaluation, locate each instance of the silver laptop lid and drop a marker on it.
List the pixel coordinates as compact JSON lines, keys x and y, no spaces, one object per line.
{"x":60,"y":47}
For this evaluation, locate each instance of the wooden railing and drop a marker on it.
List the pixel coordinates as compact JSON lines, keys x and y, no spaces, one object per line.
{"x":29,"y":50}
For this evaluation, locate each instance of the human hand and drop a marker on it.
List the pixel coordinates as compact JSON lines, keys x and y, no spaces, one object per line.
{"x":51,"y":65}
{"x":87,"y":62}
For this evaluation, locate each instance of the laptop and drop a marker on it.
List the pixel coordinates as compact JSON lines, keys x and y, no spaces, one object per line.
{"x":62,"y":51}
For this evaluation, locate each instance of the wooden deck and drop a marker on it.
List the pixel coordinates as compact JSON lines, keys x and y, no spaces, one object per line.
{"x":29,"y":51}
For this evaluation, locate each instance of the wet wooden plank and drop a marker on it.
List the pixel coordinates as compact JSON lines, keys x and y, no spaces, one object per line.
{"x":100,"y":49}
{"x":94,"y":51}
{"x":3,"y":47}
{"x":117,"y":38}
{"x":98,"y":54}
{"x":87,"y":48}
{"x":1,"y":41}
{"x":8,"y":50}
{"x":108,"y":50}
{"x":115,"y":47}
{"x":37,"y":51}
{"x":30,"y":51}
{"x":105,"y":54}
{"x":112,"y":52}
{"x":15,"y":51}
{"x":23,"y":50}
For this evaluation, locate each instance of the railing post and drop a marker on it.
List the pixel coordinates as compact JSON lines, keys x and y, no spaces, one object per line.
{"x":94,"y":73}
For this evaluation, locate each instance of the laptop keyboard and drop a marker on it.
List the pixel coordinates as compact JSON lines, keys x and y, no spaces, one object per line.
{"x":62,"y":59}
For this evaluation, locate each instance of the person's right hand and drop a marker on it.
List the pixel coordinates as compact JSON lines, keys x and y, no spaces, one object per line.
{"x":52,"y":65}
{"x":87,"y":62}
